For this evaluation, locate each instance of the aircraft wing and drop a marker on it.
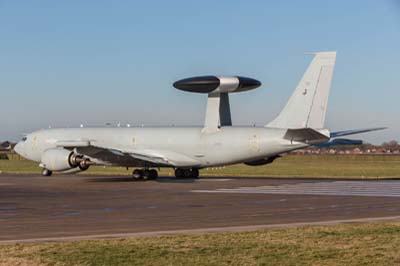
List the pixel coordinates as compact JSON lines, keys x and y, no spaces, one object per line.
{"x":107,"y":154}
{"x":164,"y":157}
{"x":354,"y":131}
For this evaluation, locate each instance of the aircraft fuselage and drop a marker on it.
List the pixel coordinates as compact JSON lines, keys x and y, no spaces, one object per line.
{"x":229,"y":145}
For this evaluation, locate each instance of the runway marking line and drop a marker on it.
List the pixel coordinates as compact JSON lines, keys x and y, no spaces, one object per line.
{"x":215,"y":180}
{"x":337,"y":188}
{"x":200,"y":230}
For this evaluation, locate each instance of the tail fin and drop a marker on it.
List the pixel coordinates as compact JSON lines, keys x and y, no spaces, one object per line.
{"x":307,"y":106}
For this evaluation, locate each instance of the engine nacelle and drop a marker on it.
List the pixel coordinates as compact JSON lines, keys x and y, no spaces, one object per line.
{"x":59,"y":159}
{"x":262,"y":161}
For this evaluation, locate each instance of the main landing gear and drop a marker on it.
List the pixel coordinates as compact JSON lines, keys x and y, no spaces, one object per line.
{"x":152,"y":174}
{"x":145,"y":174}
{"x":46,"y":172}
{"x":187,"y":173}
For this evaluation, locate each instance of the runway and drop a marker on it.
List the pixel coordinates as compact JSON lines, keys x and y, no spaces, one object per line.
{"x":384,"y":188}
{"x":36,"y":208}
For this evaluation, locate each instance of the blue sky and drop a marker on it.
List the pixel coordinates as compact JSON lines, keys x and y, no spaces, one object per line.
{"x":93,"y":62}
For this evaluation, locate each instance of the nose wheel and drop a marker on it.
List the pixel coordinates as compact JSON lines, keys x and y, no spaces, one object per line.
{"x":46,"y":172}
{"x":145,"y":174}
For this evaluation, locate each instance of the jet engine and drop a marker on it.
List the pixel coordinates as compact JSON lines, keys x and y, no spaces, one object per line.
{"x":262,"y":161}
{"x":60,"y":159}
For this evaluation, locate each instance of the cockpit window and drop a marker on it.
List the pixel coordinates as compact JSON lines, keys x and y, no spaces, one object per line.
{"x":24,"y":138}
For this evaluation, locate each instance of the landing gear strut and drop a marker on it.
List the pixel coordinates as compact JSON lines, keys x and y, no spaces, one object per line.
{"x":46,"y":172}
{"x":187,"y":173}
{"x":145,"y":174}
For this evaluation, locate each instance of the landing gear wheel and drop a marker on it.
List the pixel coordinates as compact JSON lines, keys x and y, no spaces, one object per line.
{"x":146,"y":174}
{"x":187,"y":173}
{"x":46,"y":172}
{"x":179,"y":173}
{"x":137,"y":174}
{"x":195,"y":173}
{"x":153,"y":174}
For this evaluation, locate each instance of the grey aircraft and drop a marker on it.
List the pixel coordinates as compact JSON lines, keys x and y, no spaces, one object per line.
{"x":188,"y":149}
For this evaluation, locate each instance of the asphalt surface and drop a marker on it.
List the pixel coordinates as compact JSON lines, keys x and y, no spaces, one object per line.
{"x":33,"y":207}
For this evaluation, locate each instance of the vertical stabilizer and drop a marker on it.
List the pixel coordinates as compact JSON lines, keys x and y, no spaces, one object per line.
{"x":307,"y":106}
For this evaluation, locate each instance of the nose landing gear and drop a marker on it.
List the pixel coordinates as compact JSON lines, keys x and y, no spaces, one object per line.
{"x":46,"y":172}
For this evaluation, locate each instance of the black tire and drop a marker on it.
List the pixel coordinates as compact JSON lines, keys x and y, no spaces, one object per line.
{"x":153,"y":174}
{"x":146,"y":175}
{"x":137,"y":174}
{"x":179,"y":173}
{"x":195,"y":173}
{"x":46,"y":172}
{"x":187,"y":173}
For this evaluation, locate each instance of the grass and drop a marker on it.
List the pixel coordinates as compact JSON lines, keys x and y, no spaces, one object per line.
{"x":346,"y":166}
{"x":355,"y":244}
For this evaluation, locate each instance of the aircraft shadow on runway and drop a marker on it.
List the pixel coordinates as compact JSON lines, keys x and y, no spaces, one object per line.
{"x":130,"y":179}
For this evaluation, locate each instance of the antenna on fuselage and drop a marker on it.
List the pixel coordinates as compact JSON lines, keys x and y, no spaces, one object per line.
{"x":218,"y":112}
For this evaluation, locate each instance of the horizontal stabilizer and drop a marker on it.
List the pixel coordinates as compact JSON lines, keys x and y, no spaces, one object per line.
{"x":336,"y":142}
{"x":354,"y":131}
{"x":307,"y":135}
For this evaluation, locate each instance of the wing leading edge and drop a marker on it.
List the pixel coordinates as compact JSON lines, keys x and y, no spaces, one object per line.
{"x":105,"y":154}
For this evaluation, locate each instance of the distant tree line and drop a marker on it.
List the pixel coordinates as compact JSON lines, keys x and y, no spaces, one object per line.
{"x":392,"y":145}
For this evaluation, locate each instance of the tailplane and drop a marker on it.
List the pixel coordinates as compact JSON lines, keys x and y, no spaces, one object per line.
{"x":307,"y":106}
